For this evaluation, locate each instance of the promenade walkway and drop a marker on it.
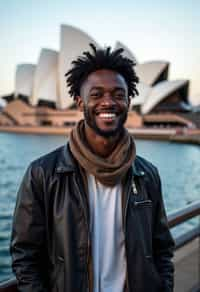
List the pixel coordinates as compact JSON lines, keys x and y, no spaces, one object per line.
{"x":187,"y":267}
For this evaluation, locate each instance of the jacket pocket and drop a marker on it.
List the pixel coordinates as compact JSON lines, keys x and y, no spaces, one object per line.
{"x":145,"y":203}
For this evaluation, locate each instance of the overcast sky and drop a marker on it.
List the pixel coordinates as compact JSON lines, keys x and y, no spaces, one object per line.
{"x":152,"y":30}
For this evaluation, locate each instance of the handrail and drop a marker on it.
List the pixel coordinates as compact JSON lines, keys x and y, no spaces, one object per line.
{"x":174,"y":219}
{"x":187,"y":237}
{"x":184,"y":214}
{"x":9,"y":286}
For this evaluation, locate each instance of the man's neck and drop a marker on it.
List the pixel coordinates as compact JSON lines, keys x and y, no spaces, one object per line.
{"x":100,"y":145}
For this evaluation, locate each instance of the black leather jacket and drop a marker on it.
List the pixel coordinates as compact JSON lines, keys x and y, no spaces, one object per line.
{"x":50,"y":239}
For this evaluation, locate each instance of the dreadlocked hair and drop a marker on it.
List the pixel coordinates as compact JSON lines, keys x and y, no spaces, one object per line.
{"x":101,"y":59}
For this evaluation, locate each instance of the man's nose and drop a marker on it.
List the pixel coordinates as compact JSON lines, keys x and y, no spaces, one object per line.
{"x":108,"y":99}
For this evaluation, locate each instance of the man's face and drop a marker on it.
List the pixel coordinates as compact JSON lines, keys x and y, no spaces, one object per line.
{"x":105,"y":102}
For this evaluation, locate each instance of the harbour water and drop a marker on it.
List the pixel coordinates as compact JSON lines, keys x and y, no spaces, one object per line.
{"x":179,"y":167}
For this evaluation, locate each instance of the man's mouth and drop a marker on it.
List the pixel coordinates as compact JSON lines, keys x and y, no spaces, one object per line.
{"x":107,"y":116}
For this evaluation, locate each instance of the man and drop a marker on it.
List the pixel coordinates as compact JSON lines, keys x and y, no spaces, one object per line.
{"x":90,"y":215}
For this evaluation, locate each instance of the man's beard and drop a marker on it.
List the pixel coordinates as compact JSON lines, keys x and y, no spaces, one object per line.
{"x":90,"y":120}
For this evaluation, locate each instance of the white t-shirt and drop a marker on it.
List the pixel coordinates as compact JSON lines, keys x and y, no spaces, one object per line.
{"x":107,"y":235}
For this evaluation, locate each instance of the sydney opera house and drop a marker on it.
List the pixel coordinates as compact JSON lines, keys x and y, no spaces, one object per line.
{"x":41,"y":97}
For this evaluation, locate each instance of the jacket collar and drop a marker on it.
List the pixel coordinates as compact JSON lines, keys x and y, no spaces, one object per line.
{"x":65,"y":161}
{"x":137,"y":171}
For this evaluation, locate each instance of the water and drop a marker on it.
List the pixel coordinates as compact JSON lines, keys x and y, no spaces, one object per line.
{"x":178,"y":165}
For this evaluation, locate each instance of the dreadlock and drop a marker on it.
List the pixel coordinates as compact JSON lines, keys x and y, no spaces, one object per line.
{"x":101,"y":59}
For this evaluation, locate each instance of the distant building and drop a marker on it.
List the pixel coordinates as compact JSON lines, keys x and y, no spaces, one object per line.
{"x":41,"y":96}
{"x":45,"y":84}
{"x":127,"y":53}
{"x":153,"y":72}
{"x":73,"y":42}
{"x":3,"y":103}
{"x":24,"y":81}
{"x":19,"y":113}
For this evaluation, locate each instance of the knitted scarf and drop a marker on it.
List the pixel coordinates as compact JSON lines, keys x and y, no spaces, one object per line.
{"x":110,"y":170}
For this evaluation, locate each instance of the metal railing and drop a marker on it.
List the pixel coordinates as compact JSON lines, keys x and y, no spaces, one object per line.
{"x":174,"y":219}
{"x":182,"y":215}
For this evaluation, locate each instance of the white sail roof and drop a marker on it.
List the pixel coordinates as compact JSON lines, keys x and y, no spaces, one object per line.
{"x":24,"y":79}
{"x":72,"y":43}
{"x":144,"y":91}
{"x":149,"y":72}
{"x":127,"y":52}
{"x":160,"y":91}
{"x":46,"y":76}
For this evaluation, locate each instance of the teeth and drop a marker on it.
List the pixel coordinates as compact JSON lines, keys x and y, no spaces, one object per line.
{"x":107,"y":115}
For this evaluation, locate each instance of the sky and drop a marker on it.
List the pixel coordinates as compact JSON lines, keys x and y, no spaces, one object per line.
{"x":152,"y":30}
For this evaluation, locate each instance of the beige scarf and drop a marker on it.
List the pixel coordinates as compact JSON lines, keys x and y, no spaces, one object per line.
{"x":110,"y":170}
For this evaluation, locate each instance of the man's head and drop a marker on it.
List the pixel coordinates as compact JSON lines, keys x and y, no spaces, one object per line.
{"x":102,"y":84}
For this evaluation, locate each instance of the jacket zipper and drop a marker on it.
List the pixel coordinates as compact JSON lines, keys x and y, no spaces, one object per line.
{"x":88,"y":230}
{"x":125,"y":215}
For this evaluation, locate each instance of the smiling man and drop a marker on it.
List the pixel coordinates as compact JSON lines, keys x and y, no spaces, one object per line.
{"x":90,"y":215}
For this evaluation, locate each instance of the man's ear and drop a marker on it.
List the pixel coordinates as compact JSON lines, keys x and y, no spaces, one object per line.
{"x":79,"y":103}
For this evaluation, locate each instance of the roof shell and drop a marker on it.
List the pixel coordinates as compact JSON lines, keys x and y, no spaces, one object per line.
{"x":144,"y":91}
{"x":24,"y":79}
{"x":46,"y":77}
{"x":127,"y":52}
{"x":73,"y":42}
{"x":161,"y":91}
{"x":149,"y":72}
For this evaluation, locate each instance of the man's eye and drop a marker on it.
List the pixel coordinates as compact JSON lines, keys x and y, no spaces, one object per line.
{"x":120,"y":96}
{"x":95,"y":94}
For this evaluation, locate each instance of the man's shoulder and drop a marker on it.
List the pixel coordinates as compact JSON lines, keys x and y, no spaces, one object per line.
{"x":143,"y":166}
{"x":48,"y":158}
{"x":54,"y":160}
{"x":150,"y":177}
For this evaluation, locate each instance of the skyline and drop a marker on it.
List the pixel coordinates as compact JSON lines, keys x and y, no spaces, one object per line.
{"x":158,"y":31}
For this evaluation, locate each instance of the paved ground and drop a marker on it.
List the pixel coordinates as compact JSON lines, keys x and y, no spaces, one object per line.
{"x":187,"y":267}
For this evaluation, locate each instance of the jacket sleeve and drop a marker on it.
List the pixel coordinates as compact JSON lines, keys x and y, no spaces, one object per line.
{"x":28,"y":234}
{"x":163,"y":243}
